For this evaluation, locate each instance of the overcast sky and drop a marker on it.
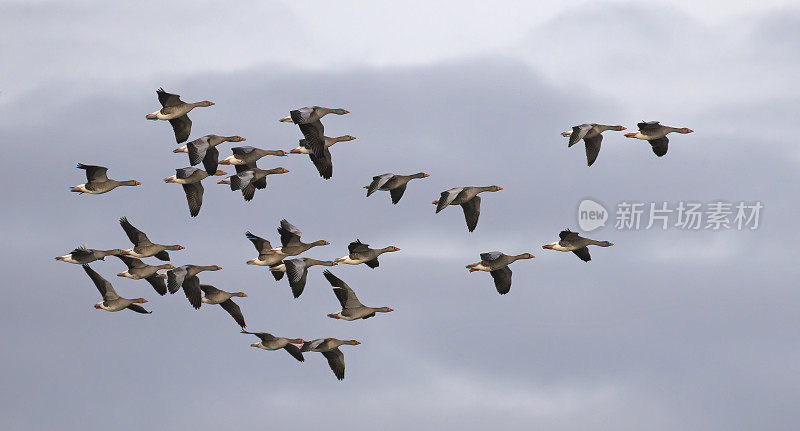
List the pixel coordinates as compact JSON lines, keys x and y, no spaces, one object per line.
{"x":667,"y":330}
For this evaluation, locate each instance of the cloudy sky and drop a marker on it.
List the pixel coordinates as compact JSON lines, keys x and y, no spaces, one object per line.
{"x":666,"y":330}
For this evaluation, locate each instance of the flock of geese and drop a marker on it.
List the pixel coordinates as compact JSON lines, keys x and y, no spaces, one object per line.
{"x":286,"y":259}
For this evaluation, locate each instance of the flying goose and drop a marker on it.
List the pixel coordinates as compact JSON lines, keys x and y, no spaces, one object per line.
{"x":248,"y":155}
{"x":352,"y":308}
{"x":320,"y":157}
{"x":190,"y":178}
{"x":310,"y":114}
{"x":656,"y":135}
{"x":469,"y":200}
{"x":175,"y":110}
{"x":97,"y":182}
{"x":297,"y":270}
{"x":223,"y":299}
{"x":395,"y":184}
{"x":111,"y":301}
{"x":290,"y":241}
{"x":571,"y":241}
{"x":591,"y":135}
{"x":205,"y":150}
{"x":265,"y":256}
{"x":138,"y":270}
{"x":271,"y":342}
{"x":142,"y":247}
{"x":251,"y":179}
{"x":361,"y":253}
{"x":82,"y":255}
{"x":186,"y":276}
{"x":329,"y":347}
{"x":496,"y":263}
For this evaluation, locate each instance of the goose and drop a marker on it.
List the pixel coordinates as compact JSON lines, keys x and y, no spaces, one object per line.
{"x":111,"y":301}
{"x":82,"y":255}
{"x":265,"y":256}
{"x":290,"y":241}
{"x":142,"y":247}
{"x":496,"y":263}
{"x":205,"y":150}
{"x":591,"y":135}
{"x":310,"y":114}
{"x":174,"y":110}
{"x":361,"y":253}
{"x":297,"y":270}
{"x":329,"y":347}
{"x":352,"y":308}
{"x":190,"y":178}
{"x":249,"y":155}
{"x":571,"y":241}
{"x":395,"y":184}
{"x":656,"y":135}
{"x":469,"y":200}
{"x":321,"y":158}
{"x":223,"y":299}
{"x":271,"y":342}
{"x":138,"y":270}
{"x":97,"y":181}
{"x":251,"y":179}
{"x":186,"y":276}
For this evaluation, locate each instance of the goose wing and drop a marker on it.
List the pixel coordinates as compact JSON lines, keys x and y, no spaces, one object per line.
{"x":502,"y":279}
{"x":136,"y":236}
{"x":94,"y":173}
{"x":182,"y":126}
{"x":103,"y":286}
{"x":578,"y":133}
{"x":660,"y":145}
{"x":168,"y":99}
{"x":346,"y":296}
{"x":323,"y":163}
{"x":378,"y":182}
{"x":397,"y":193}
{"x":447,"y":197}
{"x":335,"y":359}
{"x":472,"y":210}
{"x":259,"y":243}
{"x":158,"y":284}
{"x":592,"y":148}
{"x":233,"y":309}
{"x":290,"y":235}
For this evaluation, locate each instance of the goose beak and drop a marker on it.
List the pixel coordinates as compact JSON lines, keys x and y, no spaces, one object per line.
{"x":623,"y":128}
{"x":610,"y":244}
{"x":244,"y":295}
{"x":136,"y":183}
{"x":144,"y":300}
{"x":97,"y":306}
{"x":168,"y":180}
{"x":499,"y":188}
{"x":211,"y":103}
{"x":425,"y":175}
{"x":151,"y":117}
{"x":691,"y":131}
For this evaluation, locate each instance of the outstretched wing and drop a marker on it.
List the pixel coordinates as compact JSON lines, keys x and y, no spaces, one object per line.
{"x":347,"y":298}
{"x":130,"y":262}
{"x":191,"y":288}
{"x":314,"y":132}
{"x":211,"y":160}
{"x":294,"y":351}
{"x":397,"y":193}
{"x":378,"y":182}
{"x":290,"y":235}
{"x":502,"y":279}
{"x":103,"y":286}
{"x":260,"y":244}
{"x":158,"y":284}
{"x":335,"y":359}
{"x":168,"y":99}
{"x":447,"y":197}
{"x":592,"y":148}
{"x":136,"y":236}
{"x":182,"y":126}
{"x":660,"y":145}
{"x":323,"y":163}
{"x":138,"y":308}
{"x":491,"y":256}
{"x":583,"y":254}
{"x":175,"y":278}
{"x":472,"y":210}
{"x":197,"y":149}
{"x":194,"y":196}
{"x":578,"y":133}
{"x":233,"y":309}
{"x":94,"y":173}
{"x":296,"y":272}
